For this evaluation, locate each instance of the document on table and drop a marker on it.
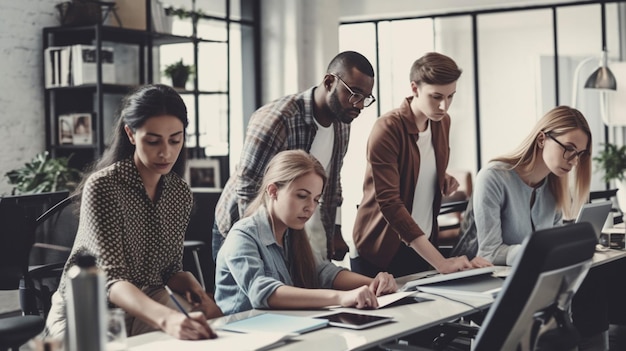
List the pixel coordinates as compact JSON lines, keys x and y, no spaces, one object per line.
{"x":389,"y":299}
{"x":275,"y":322}
{"x":224,"y":341}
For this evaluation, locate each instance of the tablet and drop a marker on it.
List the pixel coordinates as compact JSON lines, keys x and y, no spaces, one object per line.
{"x":355,"y":320}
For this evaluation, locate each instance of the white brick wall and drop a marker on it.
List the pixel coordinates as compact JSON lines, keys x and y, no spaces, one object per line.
{"x":22,"y":127}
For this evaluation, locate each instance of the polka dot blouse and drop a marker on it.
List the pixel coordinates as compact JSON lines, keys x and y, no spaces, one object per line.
{"x":133,"y":238}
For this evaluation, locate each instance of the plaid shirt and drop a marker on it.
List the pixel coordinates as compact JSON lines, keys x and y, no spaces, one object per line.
{"x":284,"y":124}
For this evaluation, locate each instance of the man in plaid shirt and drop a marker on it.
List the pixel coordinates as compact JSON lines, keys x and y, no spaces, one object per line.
{"x":317,"y":121}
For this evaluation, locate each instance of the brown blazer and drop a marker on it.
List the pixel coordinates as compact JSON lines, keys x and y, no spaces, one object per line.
{"x":384,"y":219}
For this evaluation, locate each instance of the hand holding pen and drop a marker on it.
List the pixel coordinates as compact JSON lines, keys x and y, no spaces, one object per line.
{"x":194,"y":326}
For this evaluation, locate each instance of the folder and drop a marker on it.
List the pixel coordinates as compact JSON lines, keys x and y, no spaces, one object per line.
{"x":276,"y":323}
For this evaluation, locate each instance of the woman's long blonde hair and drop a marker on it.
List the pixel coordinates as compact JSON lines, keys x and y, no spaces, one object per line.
{"x":284,"y":168}
{"x":558,"y":121}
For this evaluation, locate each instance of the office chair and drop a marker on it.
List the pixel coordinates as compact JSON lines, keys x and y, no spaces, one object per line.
{"x":450,"y":218}
{"x":533,"y":308}
{"x":16,"y":239}
{"x":539,"y":291}
{"x":195,"y":246}
{"x":532,"y":311}
{"x":37,"y":288}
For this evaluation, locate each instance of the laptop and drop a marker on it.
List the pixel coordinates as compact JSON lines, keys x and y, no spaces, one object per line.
{"x":596,"y":214}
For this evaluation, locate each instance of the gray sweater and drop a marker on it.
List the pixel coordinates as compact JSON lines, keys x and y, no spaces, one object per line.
{"x":502,"y":213}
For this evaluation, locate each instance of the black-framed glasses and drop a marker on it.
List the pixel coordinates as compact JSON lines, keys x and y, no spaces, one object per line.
{"x":569,"y":152}
{"x":355,"y":98}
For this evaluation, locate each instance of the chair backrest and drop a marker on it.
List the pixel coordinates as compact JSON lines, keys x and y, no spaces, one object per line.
{"x":59,"y":224}
{"x":17,"y":235}
{"x":24,"y":264}
{"x":550,"y":268}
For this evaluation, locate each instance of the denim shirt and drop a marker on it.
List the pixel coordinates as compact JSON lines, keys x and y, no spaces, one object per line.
{"x":251,"y":265}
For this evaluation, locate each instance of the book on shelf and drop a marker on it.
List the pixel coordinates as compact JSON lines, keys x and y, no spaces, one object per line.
{"x":57,"y":66}
{"x":84,"y":67}
{"x":76,"y":65}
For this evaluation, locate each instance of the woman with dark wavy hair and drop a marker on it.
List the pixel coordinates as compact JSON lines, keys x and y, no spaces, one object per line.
{"x":134,"y":211}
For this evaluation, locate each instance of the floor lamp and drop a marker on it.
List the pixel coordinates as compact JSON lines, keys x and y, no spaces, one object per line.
{"x":603,"y":79}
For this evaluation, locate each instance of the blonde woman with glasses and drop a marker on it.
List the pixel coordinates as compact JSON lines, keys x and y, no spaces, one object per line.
{"x":529,"y":189}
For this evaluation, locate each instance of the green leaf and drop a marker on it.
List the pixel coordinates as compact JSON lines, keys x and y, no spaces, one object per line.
{"x":612,"y":161}
{"x":44,"y":174}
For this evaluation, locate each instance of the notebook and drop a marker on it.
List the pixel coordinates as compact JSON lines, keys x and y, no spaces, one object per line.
{"x":276,"y":323}
{"x":596,"y":214}
{"x":485,"y":285}
{"x":437,"y":277}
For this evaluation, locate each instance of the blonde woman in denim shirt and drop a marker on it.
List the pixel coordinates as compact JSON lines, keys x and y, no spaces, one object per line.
{"x":267,"y":262}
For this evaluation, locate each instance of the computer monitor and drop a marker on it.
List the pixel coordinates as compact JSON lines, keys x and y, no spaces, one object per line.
{"x":539,"y":290}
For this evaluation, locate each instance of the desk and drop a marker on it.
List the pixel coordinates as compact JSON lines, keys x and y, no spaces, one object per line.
{"x":604,"y":257}
{"x":408,"y":319}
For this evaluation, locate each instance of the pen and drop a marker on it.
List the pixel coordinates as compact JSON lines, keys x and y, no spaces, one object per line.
{"x":180,"y":307}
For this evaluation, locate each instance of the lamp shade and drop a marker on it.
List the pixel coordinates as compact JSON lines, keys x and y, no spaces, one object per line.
{"x":601,"y":78}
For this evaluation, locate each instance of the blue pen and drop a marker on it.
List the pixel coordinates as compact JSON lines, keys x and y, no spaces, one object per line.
{"x":180,"y":307}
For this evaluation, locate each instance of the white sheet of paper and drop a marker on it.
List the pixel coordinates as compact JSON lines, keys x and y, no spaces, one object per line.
{"x":224,"y":341}
{"x":391,"y":298}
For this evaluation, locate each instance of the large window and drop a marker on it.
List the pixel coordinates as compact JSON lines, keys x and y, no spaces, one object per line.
{"x":224,"y":53}
{"x":510,"y":71}
{"x":509,"y":76}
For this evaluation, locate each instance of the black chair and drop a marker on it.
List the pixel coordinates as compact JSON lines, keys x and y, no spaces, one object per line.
{"x":194,"y":247}
{"x":17,"y":236}
{"x":539,"y":291}
{"x":533,"y":308}
{"x":60,"y":223}
{"x":450,"y":218}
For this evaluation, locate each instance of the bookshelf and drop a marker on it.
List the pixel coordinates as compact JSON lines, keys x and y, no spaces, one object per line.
{"x":138,"y":57}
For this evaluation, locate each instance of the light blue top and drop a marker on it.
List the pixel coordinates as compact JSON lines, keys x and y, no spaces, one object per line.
{"x":502,"y":212}
{"x":251,"y":265}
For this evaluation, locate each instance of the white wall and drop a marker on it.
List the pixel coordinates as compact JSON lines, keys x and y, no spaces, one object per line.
{"x":22,"y":126}
{"x":299,"y":38}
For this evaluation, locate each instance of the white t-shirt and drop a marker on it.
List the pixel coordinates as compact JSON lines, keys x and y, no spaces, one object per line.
{"x":324,"y":137}
{"x":426,"y":183}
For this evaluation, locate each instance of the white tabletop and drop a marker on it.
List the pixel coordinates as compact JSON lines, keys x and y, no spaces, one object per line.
{"x":408,"y":319}
{"x":610,"y":255}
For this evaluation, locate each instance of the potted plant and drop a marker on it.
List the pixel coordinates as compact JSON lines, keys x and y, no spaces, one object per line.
{"x":612,"y":160}
{"x":183,"y":13}
{"x":44,"y":174}
{"x":179,"y":73}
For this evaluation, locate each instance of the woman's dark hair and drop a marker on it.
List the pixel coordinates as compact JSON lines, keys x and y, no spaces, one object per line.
{"x":136,"y":108}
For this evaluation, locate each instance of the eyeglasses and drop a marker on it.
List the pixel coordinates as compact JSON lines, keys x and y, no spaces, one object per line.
{"x":569,"y":152}
{"x":355,"y":98}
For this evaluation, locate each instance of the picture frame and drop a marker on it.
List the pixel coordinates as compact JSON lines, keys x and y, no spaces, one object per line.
{"x":75,"y":129}
{"x":203,"y":173}
{"x":66,"y":127}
